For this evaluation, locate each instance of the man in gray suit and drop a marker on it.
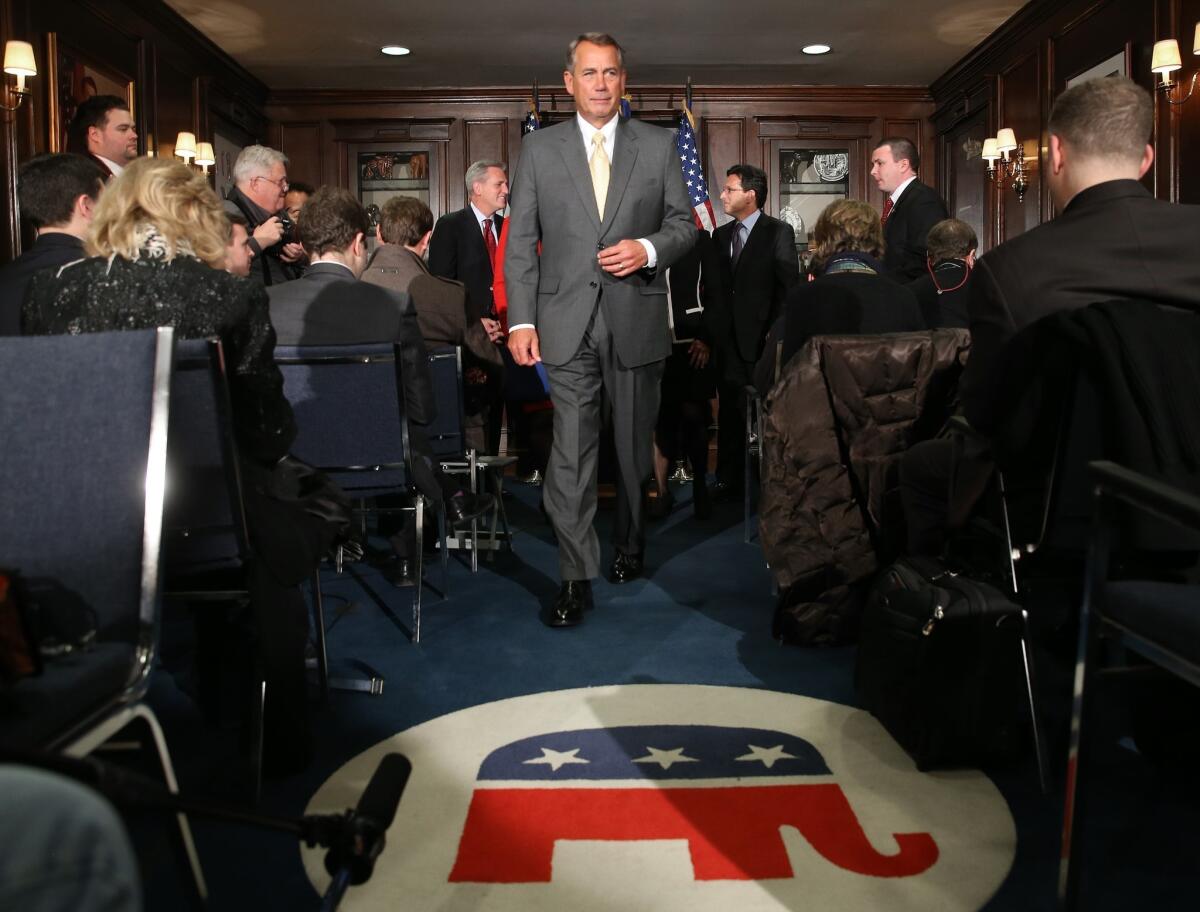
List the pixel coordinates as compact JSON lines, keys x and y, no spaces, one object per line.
{"x":606,"y":200}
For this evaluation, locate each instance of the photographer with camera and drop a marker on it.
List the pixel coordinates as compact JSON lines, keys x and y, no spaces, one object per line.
{"x":260,"y":186}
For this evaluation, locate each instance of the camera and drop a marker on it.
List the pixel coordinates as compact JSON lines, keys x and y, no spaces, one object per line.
{"x":288,"y":225}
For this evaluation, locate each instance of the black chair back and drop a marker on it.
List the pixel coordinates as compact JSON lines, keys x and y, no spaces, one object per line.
{"x":446,"y":436}
{"x":205,"y":513}
{"x":81,"y":493}
{"x":349,"y":406}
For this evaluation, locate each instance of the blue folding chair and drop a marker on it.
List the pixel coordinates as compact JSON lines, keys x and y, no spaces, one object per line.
{"x":349,"y":407}
{"x":1160,"y":621}
{"x":447,"y":440}
{"x":81,"y":510}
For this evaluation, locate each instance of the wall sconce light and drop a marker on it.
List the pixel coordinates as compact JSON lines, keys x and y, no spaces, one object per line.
{"x":1005,"y":159}
{"x":194,"y":153}
{"x":185,"y":146}
{"x":1166,"y":60}
{"x":18,"y":61}
{"x":205,"y":157}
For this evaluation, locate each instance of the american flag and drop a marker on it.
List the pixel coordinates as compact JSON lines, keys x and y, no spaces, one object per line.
{"x":693,"y":172}
{"x":533,"y":120}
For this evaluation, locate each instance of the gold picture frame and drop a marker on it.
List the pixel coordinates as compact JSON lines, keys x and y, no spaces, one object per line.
{"x":72,"y":77}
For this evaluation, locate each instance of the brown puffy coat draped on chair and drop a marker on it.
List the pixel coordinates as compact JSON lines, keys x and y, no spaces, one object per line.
{"x":833,"y":432}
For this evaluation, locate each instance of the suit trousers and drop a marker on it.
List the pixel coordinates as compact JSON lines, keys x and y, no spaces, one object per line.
{"x":736,"y":374}
{"x":578,"y":390}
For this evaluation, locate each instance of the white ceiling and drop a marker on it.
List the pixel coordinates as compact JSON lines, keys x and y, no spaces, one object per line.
{"x":309,"y":44}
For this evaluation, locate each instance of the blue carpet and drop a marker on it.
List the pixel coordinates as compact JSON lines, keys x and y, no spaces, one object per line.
{"x":702,"y":617}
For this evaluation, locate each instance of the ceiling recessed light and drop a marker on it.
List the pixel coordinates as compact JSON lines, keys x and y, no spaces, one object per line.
{"x":395,"y":50}
{"x":815,"y":49}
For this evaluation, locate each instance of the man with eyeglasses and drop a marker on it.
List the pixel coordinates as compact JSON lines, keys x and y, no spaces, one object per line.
{"x":260,"y":178}
{"x":756,"y":267}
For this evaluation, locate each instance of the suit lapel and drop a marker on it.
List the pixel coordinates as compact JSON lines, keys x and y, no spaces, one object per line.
{"x":754,"y":240}
{"x":575,"y":158}
{"x":624,"y":155}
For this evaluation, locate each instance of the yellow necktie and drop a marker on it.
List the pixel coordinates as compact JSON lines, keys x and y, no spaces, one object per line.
{"x":600,"y":169}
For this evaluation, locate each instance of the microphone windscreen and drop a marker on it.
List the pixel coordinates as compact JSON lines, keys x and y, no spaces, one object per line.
{"x":381,"y":797}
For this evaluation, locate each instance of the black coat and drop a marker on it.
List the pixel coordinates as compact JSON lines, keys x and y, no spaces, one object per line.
{"x":457,"y":251}
{"x":750,"y":296}
{"x":839,"y":304}
{"x":691,"y":317}
{"x":53,"y":249}
{"x":95,"y":295}
{"x":267,"y":264}
{"x":949,"y":308}
{"x":1112,"y":241}
{"x":328,"y":306}
{"x":918,"y":209}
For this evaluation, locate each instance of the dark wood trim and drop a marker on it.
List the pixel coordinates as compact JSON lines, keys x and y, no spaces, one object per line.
{"x":559,"y":100}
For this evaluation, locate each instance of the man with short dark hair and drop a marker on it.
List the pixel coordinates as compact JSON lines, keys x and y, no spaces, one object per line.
{"x":103,"y":128}
{"x":757,"y":266}
{"x":238,"y":253}
{"x":910,"y":209}
{"x":57,"y":193}
{"x":1111,"y":240}
{"x":330,"y":305}
{"x":942,"y":292}
{"x":404,"y":229}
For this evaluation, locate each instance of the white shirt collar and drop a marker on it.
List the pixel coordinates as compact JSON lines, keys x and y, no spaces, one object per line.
{"x":609,"y":131}
{"x":479,"y":217}
{"x":112,"y":165}
{"x":333,"y":262}
{"x":896,"y":193}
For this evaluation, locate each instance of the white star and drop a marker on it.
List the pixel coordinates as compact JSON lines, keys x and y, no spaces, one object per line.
{"x":665,"y":758}
{"x":768,"y":755}
{"x":556,"y":759}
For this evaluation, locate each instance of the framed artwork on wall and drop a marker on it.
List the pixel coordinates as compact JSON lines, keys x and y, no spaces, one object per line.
{"x":1116,"y":65}
{"x":72,"y":79}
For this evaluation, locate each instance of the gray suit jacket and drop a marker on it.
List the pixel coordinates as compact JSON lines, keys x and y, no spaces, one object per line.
{"x":553,"y":202}
{"x":328,"y":306}
{"x":441,"y":304}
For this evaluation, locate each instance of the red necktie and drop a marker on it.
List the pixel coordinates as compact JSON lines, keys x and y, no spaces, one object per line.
{"x":489,"y":241}
{"x":887,"y":210}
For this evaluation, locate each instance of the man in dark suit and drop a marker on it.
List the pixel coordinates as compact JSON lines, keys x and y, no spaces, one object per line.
{"x":1111,"y":240}
{"x":463,"y":247}
{"x":942,"y":291}
{"x":910,"y":209}
{"x":102,"y":128}
{"x":756,"y":268}
{"x":57,"y":193}
{"x":329,"y":305}
{"x":404,"y":229}
{"x":607,"y":201}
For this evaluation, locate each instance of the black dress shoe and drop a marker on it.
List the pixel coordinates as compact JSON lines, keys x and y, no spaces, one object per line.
{"x":625,"y":567}
{"x":724,"y":492}
{"x":661,"y":506}
{"x":462,"y":508}
{"x":567,"y":611}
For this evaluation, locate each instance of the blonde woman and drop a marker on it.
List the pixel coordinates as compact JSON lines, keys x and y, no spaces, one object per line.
{"x":851,"y":293}
{"x":157,"y":255}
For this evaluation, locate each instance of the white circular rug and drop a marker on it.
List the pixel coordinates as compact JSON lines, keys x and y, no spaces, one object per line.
{"x":672,"y":797}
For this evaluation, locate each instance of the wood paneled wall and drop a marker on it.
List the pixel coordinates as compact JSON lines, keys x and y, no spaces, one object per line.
{"x":737,"y":124}
{"x":181,"y":80}
{"x":1013,"y":77}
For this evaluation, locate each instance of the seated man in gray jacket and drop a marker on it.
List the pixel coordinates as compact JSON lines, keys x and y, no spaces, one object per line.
{"x":405,"y":227}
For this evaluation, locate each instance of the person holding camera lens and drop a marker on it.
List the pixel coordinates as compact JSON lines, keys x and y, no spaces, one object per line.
{"x":260,"y":186}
